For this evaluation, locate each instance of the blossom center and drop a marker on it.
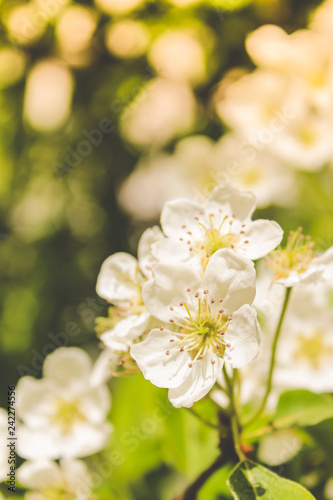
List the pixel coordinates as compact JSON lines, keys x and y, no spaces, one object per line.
{"x":313,"y":350}
{"x":203,"y":331}
{"x":66,"y":415}
{"x":296,"y":257}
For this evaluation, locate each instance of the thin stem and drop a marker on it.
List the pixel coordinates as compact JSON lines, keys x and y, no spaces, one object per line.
{"x":236,"y":436}
{"x":203,"y":420}
{"x":235,"y":425}
{"x":273,"y":356}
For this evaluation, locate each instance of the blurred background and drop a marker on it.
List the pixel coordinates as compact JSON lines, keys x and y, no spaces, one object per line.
{"x":108,"y":109}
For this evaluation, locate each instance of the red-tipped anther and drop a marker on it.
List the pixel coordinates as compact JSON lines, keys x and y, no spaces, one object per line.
{"x":221,"y":311}
{"x":181,"y":303}
{"x":206,"y":291}
{"x":190,"y":365}
{"x":212,"y":301}
{"x":232,"y":246}
{"x":167,"y":353}
{"x":171,"y":308}
{"x":207,"y":255}
{"x":217,"y":346}
{"x":182,"y":349}
{"x":188,"y":289}
{"x":196,"y":295}
{"x":171,"y":320}
{"x":171,"y":340}
{"x":201,"y":356}
{"x":222,"y":333}
{"x":246,"y":241}
{"x":188,"y":242}
{"x":202,"y":247}
{"x":161,"y":328}
{"x":196,"y":218}
{"x":229,"y":318}
{"x":221,"y":300}
{"x":228,"y":345}
{"x":212,"y":361}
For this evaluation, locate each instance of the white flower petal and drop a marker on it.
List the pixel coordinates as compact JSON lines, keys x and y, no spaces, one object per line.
{"x":95,"y":404}
{"x":241,"y":204}
{"x":169,"y":250}
{"x":145,"y":257}
{"x":198,"y":382}
{"x":178,"y":213}
{"x":230,"y":277}
{"x":41,"y":474}
{"x":122,"y":335}
{"x":67,"y":365}
{"x":34,"y":399}
{"x":104,"y":366}
{"x":33,"y":444}
{"x":168,"y":288}
{"x":85,"y":440}
{"x":244,"y":335}
{"x":76,"y":474}
{"x":325,"y":259}
{"x":263,"y":236}
{"x":161,"y":369}
{"x":117,"y":280}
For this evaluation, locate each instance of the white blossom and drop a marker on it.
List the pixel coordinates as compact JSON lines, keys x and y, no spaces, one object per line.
{"x":298,"y":262}
{"x":195,"y":231}
{"x":211,"y":322}
{"x":62,"y":414}
{"x":47,"y":480}
{"x":120,"y":282}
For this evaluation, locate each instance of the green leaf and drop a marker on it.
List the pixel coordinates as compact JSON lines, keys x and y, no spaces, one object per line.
{"x":302,"y":407}
{"x":250,"y":481}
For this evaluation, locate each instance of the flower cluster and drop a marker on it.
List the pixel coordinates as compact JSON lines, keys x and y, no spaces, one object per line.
{"x":195,"y":280}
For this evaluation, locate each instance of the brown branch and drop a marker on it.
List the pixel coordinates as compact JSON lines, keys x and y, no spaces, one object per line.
{"x":192,"y":490}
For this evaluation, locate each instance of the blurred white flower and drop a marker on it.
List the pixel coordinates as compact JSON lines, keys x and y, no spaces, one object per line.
{"x":191,"y":171}
{"x":161,"y":110}
{"x":25,"y":23}
{"x":74,"y":31}
{"x":255,"y":170}
{"x":49,"y":481}
{"x":322,"y":21}
{"x":48,"y":95}
{"x":12,"y":65}
{"x":298,"y":262}
{"x":279,"y":447}
{"x":120,"y":7}
{"x":195,"y":231}
{"x":120,"y":282}
{"x":305,"y":349}
{"x":188,"y":356}
{"x":178,"y":55}
{"x":4,"y":467}
{"x":127,"y":38}
{"x":260,"y":105}
{"x":62,"y":414}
